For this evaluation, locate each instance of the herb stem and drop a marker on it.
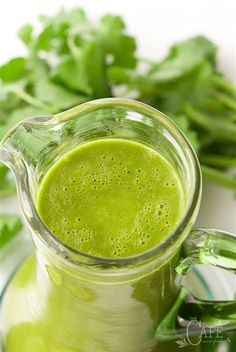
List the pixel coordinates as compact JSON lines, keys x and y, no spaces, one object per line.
{"x":225,"y":99}
{"x":75,"y":50}
{"x":30,"y":99}
{"x":223,"y":84}
{"x":219,"y":129}
{"x":219,"y":177}
{"x":218,"y":160}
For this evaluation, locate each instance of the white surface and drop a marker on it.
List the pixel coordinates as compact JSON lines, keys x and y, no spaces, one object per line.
{"x":156,"y":24}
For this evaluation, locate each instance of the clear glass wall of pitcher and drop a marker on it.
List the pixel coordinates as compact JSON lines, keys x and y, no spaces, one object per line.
{"x":67,"y":301}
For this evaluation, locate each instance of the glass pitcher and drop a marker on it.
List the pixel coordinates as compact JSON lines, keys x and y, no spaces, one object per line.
{"x":61,"y":300}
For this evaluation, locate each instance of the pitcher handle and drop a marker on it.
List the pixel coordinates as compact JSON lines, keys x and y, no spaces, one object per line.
{"x":202,"y":246}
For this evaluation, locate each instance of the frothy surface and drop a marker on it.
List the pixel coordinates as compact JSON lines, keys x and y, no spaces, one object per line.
{"x":111,"y":198}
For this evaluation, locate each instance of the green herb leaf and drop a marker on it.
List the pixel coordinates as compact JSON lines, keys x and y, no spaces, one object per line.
{"x":117,"y":44}
{"x":13,"y":70}
{"x":26,"y":34}
{"x":93,"y":61}
{"x":72,"y":73}
{"x":10,"y":225}
{"x":57,"y":96}
{"x":184,"y":57}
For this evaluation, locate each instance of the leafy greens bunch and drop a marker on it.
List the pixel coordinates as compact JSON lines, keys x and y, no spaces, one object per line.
{"x":71,"y":60}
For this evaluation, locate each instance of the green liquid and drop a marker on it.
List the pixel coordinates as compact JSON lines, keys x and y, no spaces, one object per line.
{"x":111,"y":198}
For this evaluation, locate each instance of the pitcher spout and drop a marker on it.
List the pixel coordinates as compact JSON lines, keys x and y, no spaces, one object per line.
{"x":5,"y":156}
{"x":9,"y":159}
{"x":26,"y":140}
{"x":24,"y":147}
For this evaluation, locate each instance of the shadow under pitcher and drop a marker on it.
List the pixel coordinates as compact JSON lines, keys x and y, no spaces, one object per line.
{"x":61,"y":299}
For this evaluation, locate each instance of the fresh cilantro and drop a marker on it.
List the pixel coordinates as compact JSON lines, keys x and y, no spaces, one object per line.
{"x":70,"y":59}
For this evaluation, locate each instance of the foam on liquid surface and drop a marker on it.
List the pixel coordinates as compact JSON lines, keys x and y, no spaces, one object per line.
{"x":111,"y":198}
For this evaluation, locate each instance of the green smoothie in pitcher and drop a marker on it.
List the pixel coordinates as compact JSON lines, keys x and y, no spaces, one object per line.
{"x":111,"y":198}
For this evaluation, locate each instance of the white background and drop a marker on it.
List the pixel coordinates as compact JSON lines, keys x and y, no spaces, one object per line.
{"x":156,"y":24}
